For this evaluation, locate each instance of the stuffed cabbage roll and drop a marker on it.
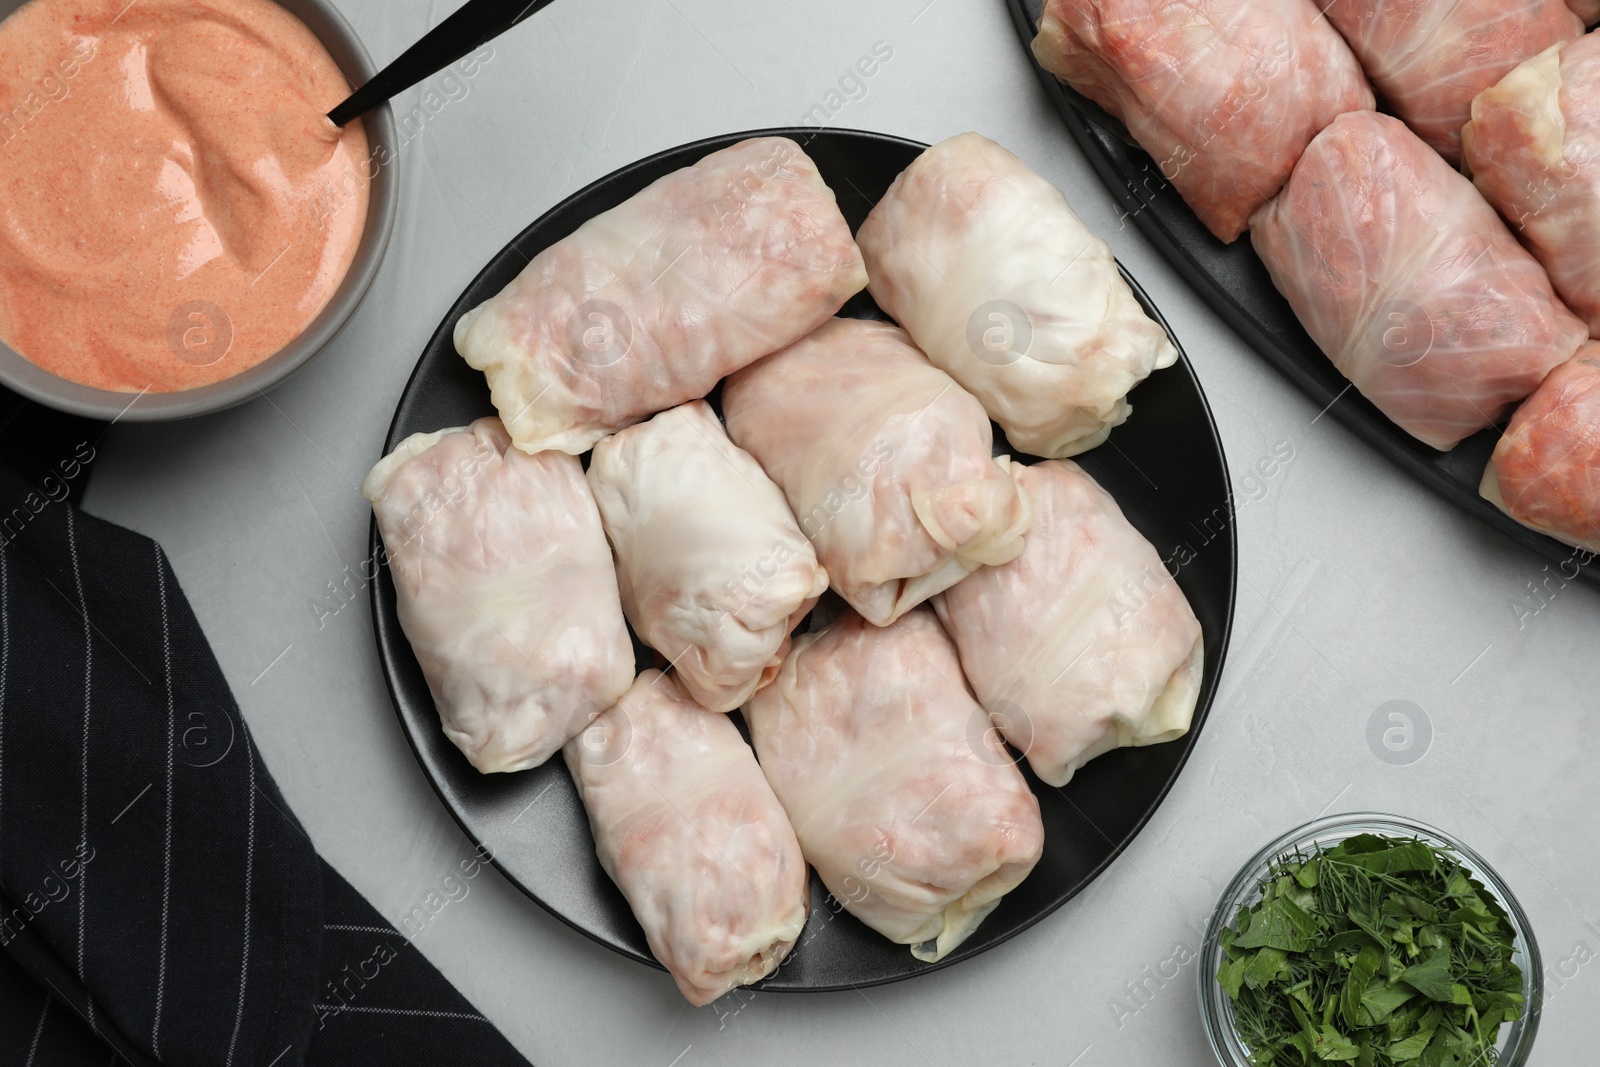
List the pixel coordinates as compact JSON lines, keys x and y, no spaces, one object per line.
{"x":713,"y":570}
{"x":686,"y":825}
{"x":985,"y":265}
{"x":1083,"y":643}
{"x":886,"y":461}
{"x":648,"y":305}
{"x":1546,"y":469}
{"x":1429,"y":58}
{"x":1410,"y":282}
{"x":505,"y":589}
{"x":1587,"y":10}
{"x":910,"y":811}
{"x":1533,"y":149}
{"x":1223,"y":94}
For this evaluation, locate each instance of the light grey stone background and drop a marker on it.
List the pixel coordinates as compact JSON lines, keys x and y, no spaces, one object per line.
{"x":1356,"y":586}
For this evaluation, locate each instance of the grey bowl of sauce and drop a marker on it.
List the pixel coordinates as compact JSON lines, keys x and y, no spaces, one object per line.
{"x":193,"y":324}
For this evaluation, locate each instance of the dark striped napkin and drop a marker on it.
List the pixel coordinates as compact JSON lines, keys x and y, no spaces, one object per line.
{"x":159,"y":902}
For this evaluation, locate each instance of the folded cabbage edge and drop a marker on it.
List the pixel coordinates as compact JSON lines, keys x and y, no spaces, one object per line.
{"x":959,"y":922}
{"x":767,"y":954}
{"x":1489,"y":489}
{"x":382,"y":472}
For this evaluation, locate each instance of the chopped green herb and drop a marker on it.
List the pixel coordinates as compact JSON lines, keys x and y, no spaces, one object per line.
{"x":1379,"y":951}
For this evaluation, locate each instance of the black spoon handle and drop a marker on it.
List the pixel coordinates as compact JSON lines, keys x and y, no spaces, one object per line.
{"x":475,"y":24}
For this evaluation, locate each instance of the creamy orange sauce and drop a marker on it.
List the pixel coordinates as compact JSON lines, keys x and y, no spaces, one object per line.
{"x":175,"y":206}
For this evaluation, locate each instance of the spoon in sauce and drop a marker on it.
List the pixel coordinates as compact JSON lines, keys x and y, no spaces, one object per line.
{"x":475,"y":24}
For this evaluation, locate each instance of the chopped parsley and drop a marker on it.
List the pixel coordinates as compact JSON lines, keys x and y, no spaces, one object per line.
{"x":1379,"y":952}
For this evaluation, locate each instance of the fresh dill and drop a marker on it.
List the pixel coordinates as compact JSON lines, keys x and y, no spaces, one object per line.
{"x":1379,"y":952}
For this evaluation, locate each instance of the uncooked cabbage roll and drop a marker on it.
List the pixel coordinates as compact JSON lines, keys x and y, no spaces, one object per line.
{"x":1223,"y":94}
{"x":913,"y":816}
{"x":1410,"y":282}
{"x":686,"y":825}
{"x":886,"y":461}
{"x":1533,"y":148}
{"x":1429,"y":58}
{"x":985,"y":265}
{"x":505,"y":589}
{"x":1546,"y":469}
{"x":713,"y":570}
{"x":1083,"y":643}
{"x":648,"y":305}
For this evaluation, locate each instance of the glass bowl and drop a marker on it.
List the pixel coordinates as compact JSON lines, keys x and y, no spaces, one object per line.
{"x":1516,"y":1038}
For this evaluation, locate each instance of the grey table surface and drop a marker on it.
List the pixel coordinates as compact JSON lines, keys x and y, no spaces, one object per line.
{"x":1356,"y":588}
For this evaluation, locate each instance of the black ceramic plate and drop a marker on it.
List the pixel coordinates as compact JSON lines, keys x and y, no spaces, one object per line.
{"x":1165,"y":466}
{"x":1235,"y":283}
